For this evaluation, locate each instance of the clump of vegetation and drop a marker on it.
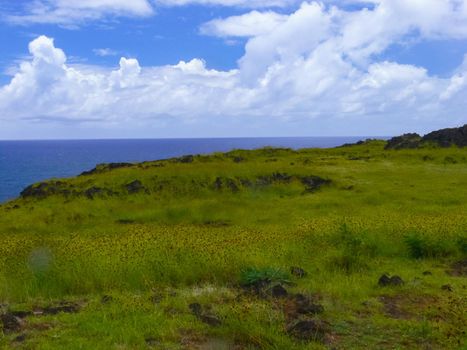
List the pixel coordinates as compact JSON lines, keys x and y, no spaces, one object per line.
{"x":462,"y":244}
{"x":423,"y":247}
{"x":253,"y":276}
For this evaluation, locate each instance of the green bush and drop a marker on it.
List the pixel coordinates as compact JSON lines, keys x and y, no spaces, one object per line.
{"x":252,"y":276}
{"x":462,"y":244}
{"x":422,"y":247}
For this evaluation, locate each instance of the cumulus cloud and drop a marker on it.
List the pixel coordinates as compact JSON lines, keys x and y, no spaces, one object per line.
{"x":105,"y":52}
{"x":72,"y":12}
{"x":248,"y":25}
{"x":317,"y":64}
{"x":238,"y":3}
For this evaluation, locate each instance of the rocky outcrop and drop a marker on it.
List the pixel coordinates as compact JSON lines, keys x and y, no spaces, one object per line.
{"x":102,"y":168}
{"x":448,"y":137}
{"x":45,"y":189}
{"x":442,"y":138}
{"x":405,"y":141}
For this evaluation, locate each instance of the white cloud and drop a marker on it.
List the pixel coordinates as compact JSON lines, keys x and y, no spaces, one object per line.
{"x":238,"y":3}
{"x":72,"y":12}
{"x":250,"y":24}
{"x":317,"y":65}
{"x":105,"y":52}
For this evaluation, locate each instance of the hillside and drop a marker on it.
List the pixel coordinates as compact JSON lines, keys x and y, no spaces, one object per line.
{"x":347,"y":248}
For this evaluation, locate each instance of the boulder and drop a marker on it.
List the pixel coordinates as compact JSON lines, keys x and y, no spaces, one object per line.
{"x":311,"y":330}
{"x":448,"y":137}
{"x":298,"y":272}
{"x":405,"y":141}
{"x":386,"y":281}
{"x":135,"y":186}
{"x":11,"y":323}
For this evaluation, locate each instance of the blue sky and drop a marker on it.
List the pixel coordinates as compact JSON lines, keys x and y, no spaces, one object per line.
{"x":214,"y":68}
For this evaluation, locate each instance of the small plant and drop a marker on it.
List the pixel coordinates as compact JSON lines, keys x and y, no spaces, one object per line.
{"x":462,"y":244}
{"x":253,"y":276}
{"x":421,"y":247}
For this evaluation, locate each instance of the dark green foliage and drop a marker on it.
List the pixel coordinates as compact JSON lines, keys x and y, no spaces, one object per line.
{"x":355,"y":250}
{"x":462,"y":244}
{"x":422,"y":247}
{"x":253,"y":276}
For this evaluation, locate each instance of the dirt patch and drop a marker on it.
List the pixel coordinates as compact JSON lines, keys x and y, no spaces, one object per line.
{"x":219,"y":344}
{"x":406,"y":307}
{"x":299,"y":305}
{"x":205,"y":314}
{"x":11,"y":323}
{"x":458,"y":269}
{"x":314,"y":330}
{"x":63,"y":307}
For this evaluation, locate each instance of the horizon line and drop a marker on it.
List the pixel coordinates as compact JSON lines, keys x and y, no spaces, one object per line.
{"x":195,"y":138}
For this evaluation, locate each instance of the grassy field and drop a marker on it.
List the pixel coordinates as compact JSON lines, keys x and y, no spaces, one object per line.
{"x":196,"y":253}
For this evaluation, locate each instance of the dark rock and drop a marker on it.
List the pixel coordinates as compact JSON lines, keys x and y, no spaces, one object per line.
{"x":126,"y":221}
{"x":246,"y":182}
{"x":196,"y":309}
{"x":427,"y":273}
{"x":152,"y":342}
{"x":404,"y":141}
{"x":314,"y":330}
{"x":185,"y":159}
{"x":156,"y":298}
{"x":221,"y":183}
{"x":450,"y":160}
{"x":101,"y":168}
{"x":238,"y":159}
{"x":205,"y":317}
{"x":396,"y":281}
{"x":443,"y":138}
{"x":210,"y":319}
{"x":305,"y":305}
{"x":310,"y":309}
{"x":298,"y":272}
{"x":20,"y":338}
{"x":278,"y":291}
{"x":313,"y":183}
{"x":106,"y":299}
{"x":458,"y":269}
{"x":45,"y":189}
{"x":21,"y":314}
{"x":94,"y":191}
{"x":63,"y":307}
{"x":135,"y":187}
{"x":448,"y":137}
{"x":11,"y":323}
{"x":216,"y":223}
{"x":358,"y":143}
{"x":427,"y":158}
{"x":447,"y":288}
{"x":218,"y":184}
{"x":385,"y":281}
{"x":281,"y":177}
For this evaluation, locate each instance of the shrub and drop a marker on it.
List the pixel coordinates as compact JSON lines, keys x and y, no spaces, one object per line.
{"x":422,"y":247}
{"x":355,"y":251}
{"x":252,"y":276}
{"x":462,"y":244}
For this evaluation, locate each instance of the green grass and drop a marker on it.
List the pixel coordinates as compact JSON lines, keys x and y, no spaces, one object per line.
{"x":202,"y":229}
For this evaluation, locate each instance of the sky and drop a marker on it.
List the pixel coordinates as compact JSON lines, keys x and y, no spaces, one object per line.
{"x":74,"y":69}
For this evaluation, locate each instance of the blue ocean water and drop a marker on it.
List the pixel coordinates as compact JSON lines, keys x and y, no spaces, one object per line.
{"x":25,"y":162}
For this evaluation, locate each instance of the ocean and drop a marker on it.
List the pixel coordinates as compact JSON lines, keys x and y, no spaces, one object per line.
{"x":25,"y":162}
